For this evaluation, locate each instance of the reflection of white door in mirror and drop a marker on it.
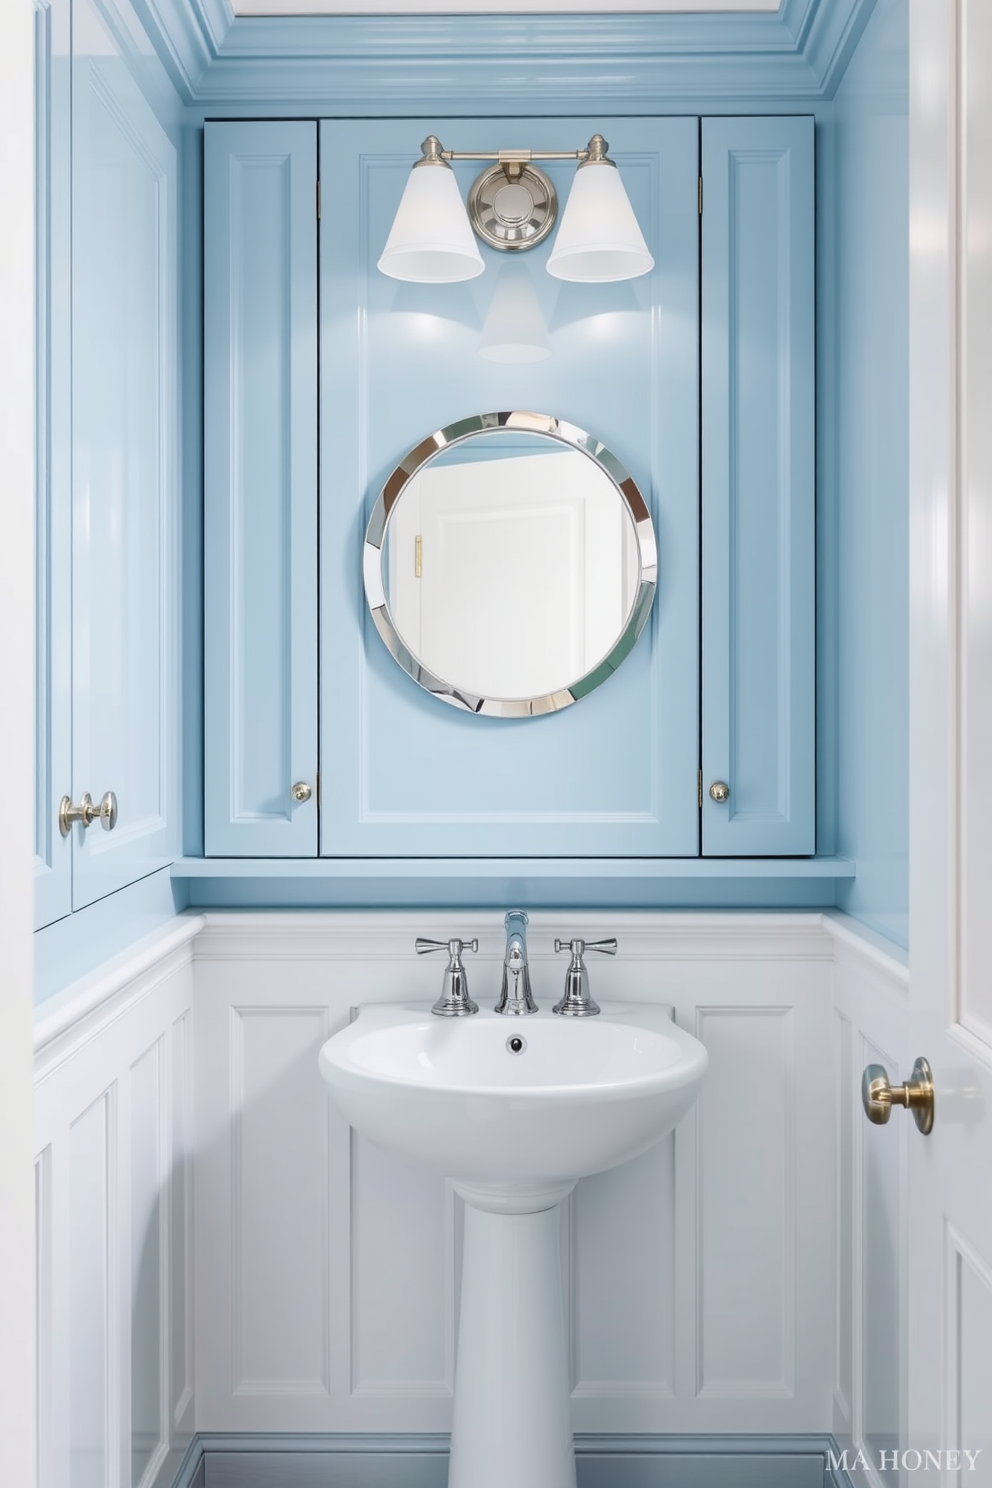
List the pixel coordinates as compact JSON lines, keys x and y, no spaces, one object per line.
{"x":528,"y":569}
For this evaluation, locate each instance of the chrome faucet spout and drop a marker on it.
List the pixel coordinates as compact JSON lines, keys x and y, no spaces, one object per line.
{"x":515,"y":996}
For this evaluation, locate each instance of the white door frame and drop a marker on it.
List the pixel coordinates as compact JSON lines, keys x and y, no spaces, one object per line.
{"x":17,"y":1330}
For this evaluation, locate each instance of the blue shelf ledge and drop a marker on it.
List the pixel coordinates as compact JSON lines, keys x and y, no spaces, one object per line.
{"x":634,"y":883}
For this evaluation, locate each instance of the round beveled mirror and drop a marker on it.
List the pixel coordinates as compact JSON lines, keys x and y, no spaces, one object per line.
{"x":510,"y":564}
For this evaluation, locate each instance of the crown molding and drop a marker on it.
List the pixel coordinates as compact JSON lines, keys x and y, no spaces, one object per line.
{"x":499,"y":64}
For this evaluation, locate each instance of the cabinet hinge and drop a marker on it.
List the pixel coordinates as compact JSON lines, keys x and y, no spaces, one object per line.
{"x":318,"y":789}
{"x":700,"y":196}
{"x":318,"y":201}
{"x":699,"y":789}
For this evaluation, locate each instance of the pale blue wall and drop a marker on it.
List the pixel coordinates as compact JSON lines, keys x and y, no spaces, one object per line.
{"x":869,"y":156}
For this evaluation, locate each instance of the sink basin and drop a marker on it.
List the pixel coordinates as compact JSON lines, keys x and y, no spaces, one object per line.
{"x":514,"y":1110}
{"x":581,"y":1095}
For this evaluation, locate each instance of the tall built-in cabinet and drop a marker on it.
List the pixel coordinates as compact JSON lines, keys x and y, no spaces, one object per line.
{"x":108,"y":479}
{"x":699,"y":376}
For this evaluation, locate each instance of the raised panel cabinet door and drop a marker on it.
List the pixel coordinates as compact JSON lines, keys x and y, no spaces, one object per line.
{"x":53,"y":463}
{"x":404,"y":775}
{"x":758,"y":561}
{"x":260,"y":533}
{"x":125,"y":467}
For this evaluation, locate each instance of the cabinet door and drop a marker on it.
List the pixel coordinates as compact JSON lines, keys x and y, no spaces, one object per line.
{"x":758,"y":486}
{"x":402,"y":774}
{"x":260,"y":538}
{"x":53,"y":465}
{"x":125,"y":608}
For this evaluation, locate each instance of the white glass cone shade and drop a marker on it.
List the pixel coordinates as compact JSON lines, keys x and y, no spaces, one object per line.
{"x":431,"y":240}
{"x":599,"y":240}
{"x":514,"y":329}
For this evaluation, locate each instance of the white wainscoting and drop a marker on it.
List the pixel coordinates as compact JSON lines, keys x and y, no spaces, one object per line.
{"x":114,"y":1219}
{"x":871,"y":1213}
{"x":699,"y":1278}
{"x":729,"y":1281}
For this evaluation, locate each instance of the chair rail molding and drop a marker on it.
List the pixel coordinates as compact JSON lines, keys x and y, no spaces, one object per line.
{"x":499,"y":64}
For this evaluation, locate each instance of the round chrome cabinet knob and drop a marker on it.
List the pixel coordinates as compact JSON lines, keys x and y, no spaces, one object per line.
{"x":87,"y":812}
{"x":719,"y":792}
{"x":301,"y":791}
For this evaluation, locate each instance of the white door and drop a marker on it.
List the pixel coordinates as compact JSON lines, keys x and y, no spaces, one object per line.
{"x":456,"y":560}
{"x":949,"y":1355}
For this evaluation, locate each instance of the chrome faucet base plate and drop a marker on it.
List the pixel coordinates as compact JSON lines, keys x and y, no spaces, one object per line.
{"x":443,"y":1009}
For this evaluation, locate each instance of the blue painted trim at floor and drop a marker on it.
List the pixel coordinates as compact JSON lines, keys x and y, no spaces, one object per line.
{"x":587,"y":1447}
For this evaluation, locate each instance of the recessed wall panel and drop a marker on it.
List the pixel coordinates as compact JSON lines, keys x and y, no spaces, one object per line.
{"x":881,"y":1268}
{"x":90,"y":1400}
{"x":746,"y":1196}
{"x":970,"y":1367}
{"x":180,"y":1190}
{"x":279,"y":1122}
{"x":402,"y":1284}
{"x":148,"y":1429}
{"x":844,"y":1215}
{"x":623,"y":1277}
{"x":43,"y":1316}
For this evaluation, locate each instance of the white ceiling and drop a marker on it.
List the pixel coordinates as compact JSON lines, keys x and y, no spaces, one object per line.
{"x":489,"y":7}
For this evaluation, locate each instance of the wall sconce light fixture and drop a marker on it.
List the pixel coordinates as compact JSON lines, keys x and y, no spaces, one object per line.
{"x":512,"y":206}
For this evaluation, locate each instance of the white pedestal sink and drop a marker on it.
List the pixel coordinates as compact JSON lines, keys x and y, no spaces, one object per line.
{"x":514,"y":1111}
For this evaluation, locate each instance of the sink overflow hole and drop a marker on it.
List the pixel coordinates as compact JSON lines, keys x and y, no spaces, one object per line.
{"x":516,"y":1044}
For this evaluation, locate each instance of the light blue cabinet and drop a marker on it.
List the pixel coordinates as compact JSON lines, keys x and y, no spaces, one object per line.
{"x":619,"y":775}
{"x":758,"y":674}
{"x":260,"y":537}
{"x":108,"y":583}
{"x":616,"y":775}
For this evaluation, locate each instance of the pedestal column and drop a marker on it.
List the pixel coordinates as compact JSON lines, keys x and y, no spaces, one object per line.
{"x":512,"y":1423}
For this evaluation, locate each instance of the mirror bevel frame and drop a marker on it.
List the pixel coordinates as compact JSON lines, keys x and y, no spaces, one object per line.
{"x":375,"y":593}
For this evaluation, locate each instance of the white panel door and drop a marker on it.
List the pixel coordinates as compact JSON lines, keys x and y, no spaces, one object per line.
{"x":950,"y":1229}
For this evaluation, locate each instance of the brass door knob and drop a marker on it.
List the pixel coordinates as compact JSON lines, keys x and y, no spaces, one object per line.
{"x":87,"y":812}
{"x":301,"y":791}
{"x":720,"y":791}
{"x":878,"y":1096}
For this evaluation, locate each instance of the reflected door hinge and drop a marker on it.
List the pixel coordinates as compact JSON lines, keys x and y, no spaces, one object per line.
{"x":418,"y":556}
{"x":699,"y":789}
{"x":700,"y":197}
{"x":318,"y":201}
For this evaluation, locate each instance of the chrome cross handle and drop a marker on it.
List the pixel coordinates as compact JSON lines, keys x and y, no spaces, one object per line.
{"x":576,"y":1001}
{"x":454,"y":1001}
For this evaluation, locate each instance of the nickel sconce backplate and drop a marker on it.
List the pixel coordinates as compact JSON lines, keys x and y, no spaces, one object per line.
{"x":512,"y":207}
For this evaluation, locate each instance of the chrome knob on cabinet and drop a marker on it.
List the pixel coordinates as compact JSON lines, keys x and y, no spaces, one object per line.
{"x":87,"y":812}
{"x":878,"y":1096}
{"x":720,"y":792}
{"x":301,"y":791}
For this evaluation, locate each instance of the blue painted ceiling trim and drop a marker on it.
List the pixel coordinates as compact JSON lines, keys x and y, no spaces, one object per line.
{"x":501,"y":64}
